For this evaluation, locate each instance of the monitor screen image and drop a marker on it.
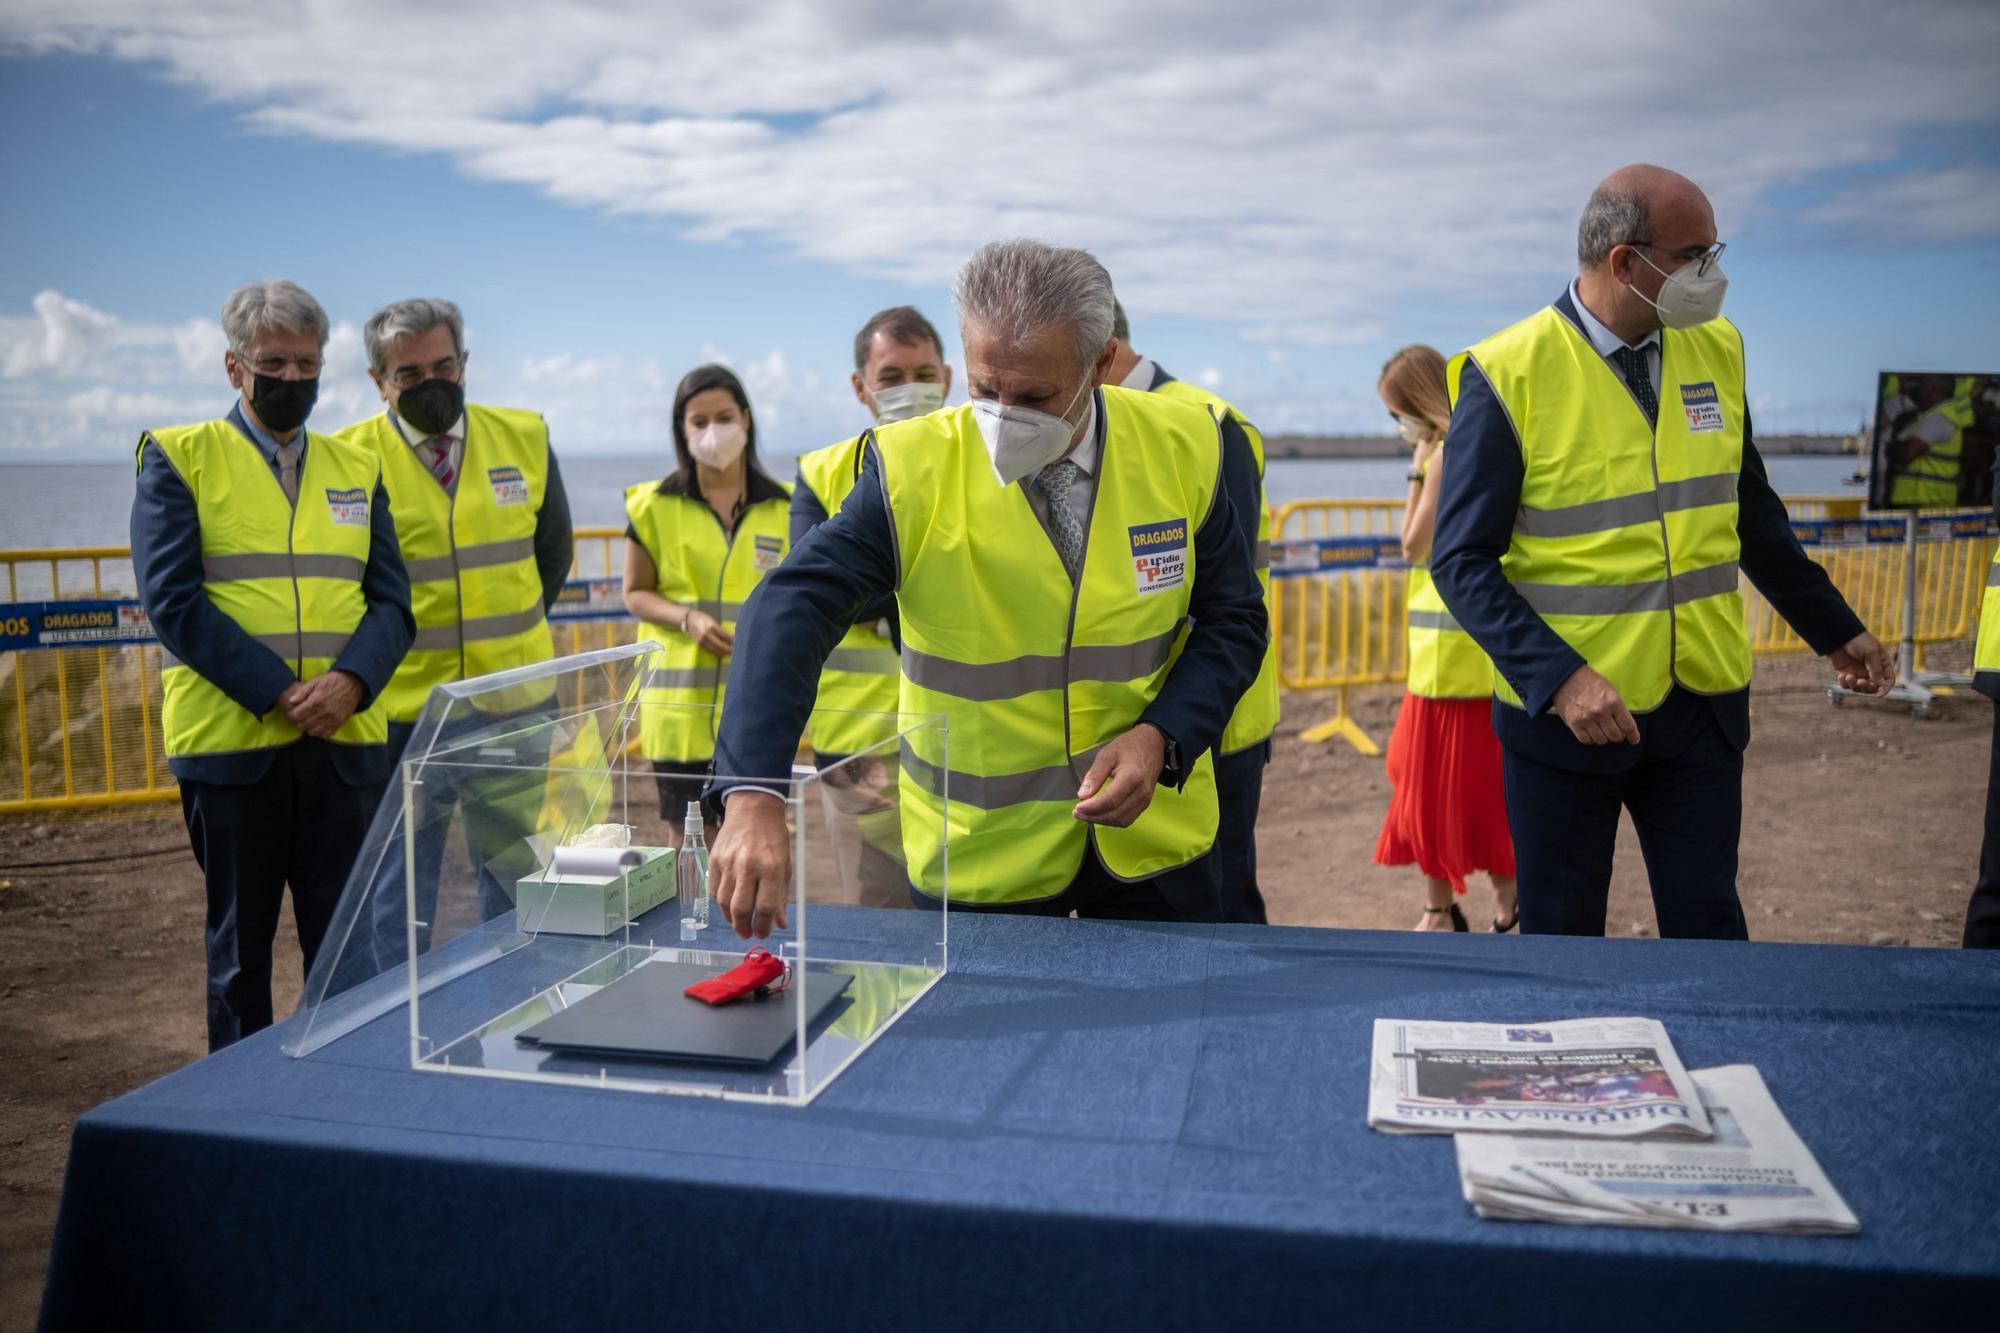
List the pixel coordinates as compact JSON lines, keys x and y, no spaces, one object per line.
{"x":1932,"y":440}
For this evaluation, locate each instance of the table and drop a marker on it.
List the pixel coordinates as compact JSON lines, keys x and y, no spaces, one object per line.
{"x":1085,"y":1125}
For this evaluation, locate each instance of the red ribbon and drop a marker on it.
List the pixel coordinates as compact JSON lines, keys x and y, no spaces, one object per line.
{"x":751,"y":977}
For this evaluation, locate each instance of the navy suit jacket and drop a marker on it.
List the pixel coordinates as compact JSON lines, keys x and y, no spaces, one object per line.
{"x":801,"y":609}
{"x":1475,"y":526}
{"x":166,"y":558}
{"x":808,"y":512}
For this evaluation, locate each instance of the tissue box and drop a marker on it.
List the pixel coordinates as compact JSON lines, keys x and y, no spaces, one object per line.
{"x":593,"y":904}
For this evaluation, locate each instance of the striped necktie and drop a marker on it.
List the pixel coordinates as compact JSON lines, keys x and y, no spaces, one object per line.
{"x":288,"y":472}
{"x":437,"y":455}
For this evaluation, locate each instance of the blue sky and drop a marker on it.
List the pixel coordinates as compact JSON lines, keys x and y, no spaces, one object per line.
{"x":617,"y":192}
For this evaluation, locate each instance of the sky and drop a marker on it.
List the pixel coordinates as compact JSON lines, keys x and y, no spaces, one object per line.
{"x":1283,"y":192}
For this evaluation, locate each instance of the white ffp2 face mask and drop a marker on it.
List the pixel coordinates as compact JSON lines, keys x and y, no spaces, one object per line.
{"x":718,"y":443}
{"x":1020,"y":440}
{"x":1687,"y":298}
{"x":900,"y":402}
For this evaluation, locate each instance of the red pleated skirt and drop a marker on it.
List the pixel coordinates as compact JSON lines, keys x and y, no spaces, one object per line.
{"x":1448,"y":813}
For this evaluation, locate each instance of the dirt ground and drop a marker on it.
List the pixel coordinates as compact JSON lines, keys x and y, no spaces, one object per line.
{"x":1862,"y":826}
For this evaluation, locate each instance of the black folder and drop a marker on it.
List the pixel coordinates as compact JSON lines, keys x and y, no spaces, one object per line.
{"x":644,"y":1014}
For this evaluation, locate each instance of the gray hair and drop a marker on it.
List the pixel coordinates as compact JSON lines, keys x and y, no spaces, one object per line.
{"x":409,"y":319}
{"x":1121,"y":327}
{"x":1023,"y":289}
{"x":257,"y":309}
{"x":1614,"y":216}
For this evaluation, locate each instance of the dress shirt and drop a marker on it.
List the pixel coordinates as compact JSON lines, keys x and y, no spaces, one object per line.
{"x":1084,"y":455}
{"x":1140,"y":377}
{"x":1606,"y":342}
{"x":417,"y":439}
{"x":1475,"y":527}
{"x":267,"y":443}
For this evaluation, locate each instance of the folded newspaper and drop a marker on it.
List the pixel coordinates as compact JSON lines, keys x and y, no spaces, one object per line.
{"x":1595,"y":1077}
{"x":1754,"y":1175}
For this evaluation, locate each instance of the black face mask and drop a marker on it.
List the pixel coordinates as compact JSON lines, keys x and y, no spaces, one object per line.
{"x":433,"y":407}
{"x":283,"y":405}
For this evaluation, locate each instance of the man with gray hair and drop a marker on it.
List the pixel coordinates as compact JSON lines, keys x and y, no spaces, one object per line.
{"x":1075,"y":596}
{"x":484,"y":527}
{"x":266,"y":559}
{"x":1604,"y":493}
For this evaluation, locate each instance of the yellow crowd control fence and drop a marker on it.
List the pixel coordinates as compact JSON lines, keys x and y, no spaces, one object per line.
{"x":79,"y":720}
{"x":1338,"y":589}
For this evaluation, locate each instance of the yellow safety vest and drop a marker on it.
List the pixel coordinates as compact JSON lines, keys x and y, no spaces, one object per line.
{"x":697,"y":563}
{"x":474,"y":588}
{"x":1931,"y":480}
{"x":1625,"y":542}
{"x":1986,"y":651}
{"x":1256,"y":715}
{"x":1033,"y":675}
{"x":857,"y":686}
{"x":291,"y":577}
{"x":1445,"y":663}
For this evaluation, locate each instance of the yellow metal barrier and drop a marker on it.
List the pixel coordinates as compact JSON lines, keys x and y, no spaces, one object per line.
{"x":1344,"y":627}
{"x":78,"y":725}
{"x":83,"y":729}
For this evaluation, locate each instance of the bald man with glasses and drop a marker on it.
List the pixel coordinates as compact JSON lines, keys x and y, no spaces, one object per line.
{"x":1604,"y":495}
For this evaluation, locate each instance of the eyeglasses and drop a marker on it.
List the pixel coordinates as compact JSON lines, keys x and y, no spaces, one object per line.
{"x":409,"y":377}
{"x":1702,"y":259}
{"x":309,"y":367}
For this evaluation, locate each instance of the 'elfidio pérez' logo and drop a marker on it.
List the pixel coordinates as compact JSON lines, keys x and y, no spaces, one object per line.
{"x":1159,"y":555}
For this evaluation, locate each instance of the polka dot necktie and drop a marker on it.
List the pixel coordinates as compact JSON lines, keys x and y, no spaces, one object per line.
{"x":1639,"y":375}
{"x":1054,"y":482}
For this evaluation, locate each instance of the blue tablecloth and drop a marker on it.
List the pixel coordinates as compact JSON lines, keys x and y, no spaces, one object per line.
{"x":1086,"y":1125}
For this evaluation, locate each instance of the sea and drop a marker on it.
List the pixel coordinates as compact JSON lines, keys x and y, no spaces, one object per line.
{"x":89,"y":504}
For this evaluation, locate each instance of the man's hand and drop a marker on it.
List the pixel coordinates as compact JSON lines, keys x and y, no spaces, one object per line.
{"x":1590,"y":706}
{"x":1120,"y":783}
{"x":750,"y":866}
{"x":288,"y":698}
{"x":324,"y":703}
{"x":1863,"y":665}
{"x":708,"y":634}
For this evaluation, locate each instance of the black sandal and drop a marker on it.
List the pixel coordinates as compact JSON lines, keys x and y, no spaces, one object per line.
{"x":1457,"y":917}
{"x":1512,"y":922}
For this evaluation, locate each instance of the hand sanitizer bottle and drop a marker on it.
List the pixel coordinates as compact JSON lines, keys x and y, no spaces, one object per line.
{"x":691,"y":875}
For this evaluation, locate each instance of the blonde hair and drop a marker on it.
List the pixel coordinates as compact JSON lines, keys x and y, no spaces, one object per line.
{"x":1412,"y":384}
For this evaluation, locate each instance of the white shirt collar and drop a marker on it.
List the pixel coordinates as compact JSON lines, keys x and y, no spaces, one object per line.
{"x":1085,"y":453}
{"x":414,"y":437}
{"x":1603,"y":339}
{"x":1141,"y":376}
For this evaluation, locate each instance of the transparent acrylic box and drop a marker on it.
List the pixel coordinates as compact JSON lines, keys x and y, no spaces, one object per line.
{"x":456,"y":923}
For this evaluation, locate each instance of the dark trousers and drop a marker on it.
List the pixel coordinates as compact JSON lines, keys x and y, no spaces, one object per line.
{"x":1982,"y":914}
{"x":1686,"y":798}
{"x":299,"y":825}
{"x":1098,"y":895}
{"x":1239,"y":790}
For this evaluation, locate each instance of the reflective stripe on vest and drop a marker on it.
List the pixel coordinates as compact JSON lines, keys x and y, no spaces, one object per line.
{"x":1256,"y":715}
{"x":1625,"y":542}
{"x":1445,"y":663}
{"x":289,"y":576}
{"x":475,"y":590}
{"x":696,"y":563}
{"x":1930,"y":480}
{"x":1034,"y":675}
{"x":1986,"y":649}
{"x":856,"y":705}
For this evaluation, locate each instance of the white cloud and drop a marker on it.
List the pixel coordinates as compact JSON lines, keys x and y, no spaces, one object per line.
{"x":1945,"y":204}
{"x":1209,"y":377}
{"x":1306,"y":174}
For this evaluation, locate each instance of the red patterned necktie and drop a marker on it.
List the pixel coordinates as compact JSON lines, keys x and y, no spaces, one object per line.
{"x":437,"y":451}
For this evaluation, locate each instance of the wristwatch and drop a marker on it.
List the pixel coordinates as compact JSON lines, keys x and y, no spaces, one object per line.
{"x":1416,"y":476}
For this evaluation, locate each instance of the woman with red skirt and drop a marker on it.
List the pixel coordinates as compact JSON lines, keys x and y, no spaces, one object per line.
{"x":1447,"y":813}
